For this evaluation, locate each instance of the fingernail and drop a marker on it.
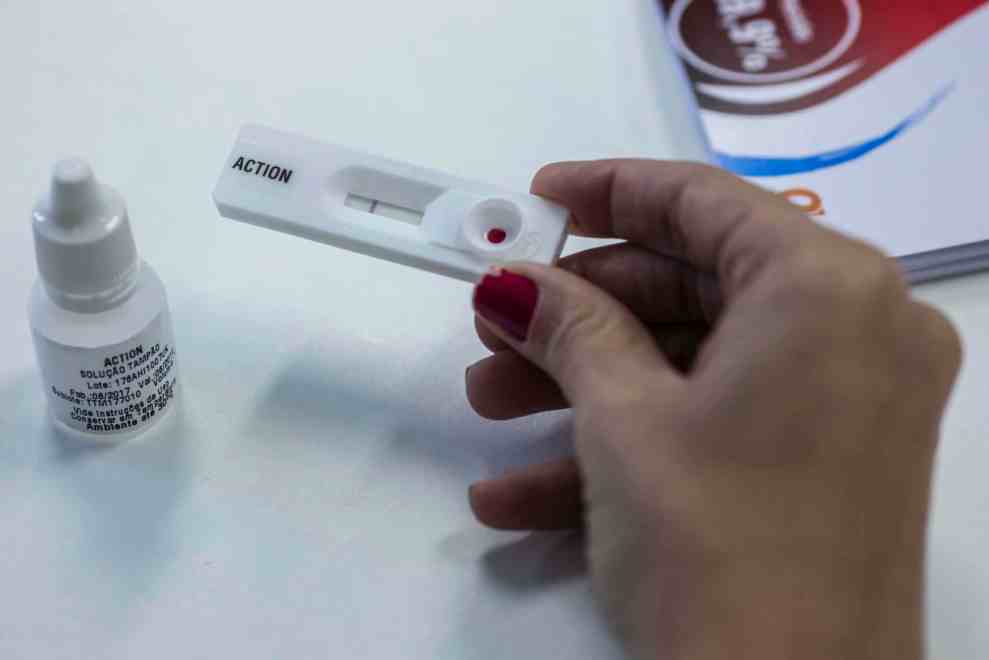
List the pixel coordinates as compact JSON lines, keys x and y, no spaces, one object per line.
{"x":472,"y":497}
{"x":475,"y":496}
{"x":508,"y":300}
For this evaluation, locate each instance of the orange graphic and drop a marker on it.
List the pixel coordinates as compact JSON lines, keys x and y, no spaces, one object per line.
{"x":805,"y":199}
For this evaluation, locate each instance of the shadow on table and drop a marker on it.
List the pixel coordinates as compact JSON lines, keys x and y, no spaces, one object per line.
{"x":538,"y":561}
{"x":104,"y":510}
{"x":124,"y":497}
{"x":528,"y":589}
{"x":333,"y":390}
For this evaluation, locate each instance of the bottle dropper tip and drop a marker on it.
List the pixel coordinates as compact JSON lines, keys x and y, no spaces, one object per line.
{"x":73,"y":187}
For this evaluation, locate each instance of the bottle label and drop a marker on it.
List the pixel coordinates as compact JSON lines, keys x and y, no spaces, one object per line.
{"x":112,"y":389}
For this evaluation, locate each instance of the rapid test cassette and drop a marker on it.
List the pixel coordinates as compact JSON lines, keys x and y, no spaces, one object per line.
{"x":383,"y":208}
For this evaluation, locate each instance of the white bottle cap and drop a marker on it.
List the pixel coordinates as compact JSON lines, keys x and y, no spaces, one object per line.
{"x":82,"y":240}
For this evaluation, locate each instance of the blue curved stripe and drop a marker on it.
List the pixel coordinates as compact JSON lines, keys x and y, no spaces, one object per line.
{"x":771,"y":166}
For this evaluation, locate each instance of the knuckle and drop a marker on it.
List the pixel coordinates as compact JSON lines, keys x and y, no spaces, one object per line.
{"x":806,"y":280}
{"x":944,"y":341}
{"x":856,"y":275}
{"x":701,"y":178}
{"x":704,"y":183}
{"x":704,"y":191}
{"x":878,"y":275}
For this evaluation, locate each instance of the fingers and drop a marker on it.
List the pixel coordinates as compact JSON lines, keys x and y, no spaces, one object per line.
{"x":712,"y":219}
{"x":655,"y":288}
{"x":591,"y":345}
{"x":680,"y":343}
{"x":491,"y":341}
{"x":506,"y":386}
{"x":658,"y":290}
{"x":543,"y":497}
{"x":939,"y":343}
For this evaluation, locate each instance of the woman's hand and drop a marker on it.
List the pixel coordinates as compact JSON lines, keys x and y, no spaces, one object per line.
{"x":756,"y":402}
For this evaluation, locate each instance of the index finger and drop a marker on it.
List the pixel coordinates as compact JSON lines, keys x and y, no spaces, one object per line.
{"x":704,"y":215}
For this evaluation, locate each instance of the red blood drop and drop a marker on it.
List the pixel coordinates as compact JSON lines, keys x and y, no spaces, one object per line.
{"x":497,"y":235}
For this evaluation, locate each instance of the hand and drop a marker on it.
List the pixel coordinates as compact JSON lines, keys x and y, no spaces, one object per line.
{"x":756,"y":402}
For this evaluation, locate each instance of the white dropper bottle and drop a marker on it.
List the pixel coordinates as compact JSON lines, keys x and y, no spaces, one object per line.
{"x":99,"y":316}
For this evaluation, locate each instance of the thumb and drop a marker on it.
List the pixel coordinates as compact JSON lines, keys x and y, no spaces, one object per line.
{"x":585,"y":339}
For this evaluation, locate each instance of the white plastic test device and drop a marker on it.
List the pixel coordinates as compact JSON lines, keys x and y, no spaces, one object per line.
{"x":383,"y":208}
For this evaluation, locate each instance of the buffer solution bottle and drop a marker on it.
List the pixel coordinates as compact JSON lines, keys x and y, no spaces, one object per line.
{"x":99,"y":316}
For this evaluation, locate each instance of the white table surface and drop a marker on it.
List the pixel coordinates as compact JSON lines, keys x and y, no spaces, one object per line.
{"x":309,"y":500}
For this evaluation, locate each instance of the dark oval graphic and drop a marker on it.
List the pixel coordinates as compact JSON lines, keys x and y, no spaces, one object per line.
{"x":765,"y":57}
{"x":761,"y":41}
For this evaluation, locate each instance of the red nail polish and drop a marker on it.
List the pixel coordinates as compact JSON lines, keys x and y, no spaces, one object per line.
{"x":508,"y":300}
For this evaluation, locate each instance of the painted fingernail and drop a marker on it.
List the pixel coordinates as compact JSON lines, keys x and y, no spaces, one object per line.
{"x":472,"y":497}
{"x":508,"y":300}
{"x":475,"y":498}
